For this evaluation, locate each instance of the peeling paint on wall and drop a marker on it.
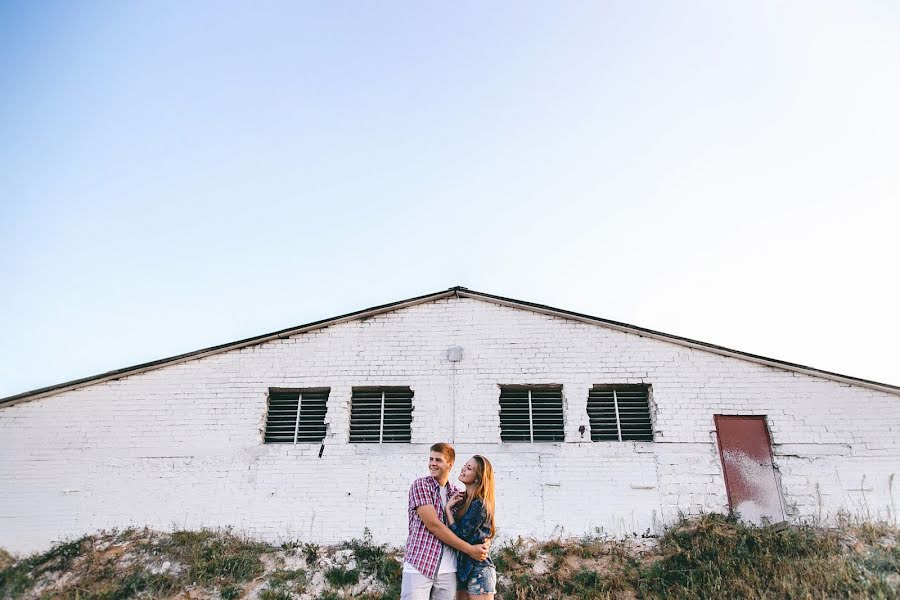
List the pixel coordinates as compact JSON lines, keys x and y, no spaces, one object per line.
{"x":760,"y":500}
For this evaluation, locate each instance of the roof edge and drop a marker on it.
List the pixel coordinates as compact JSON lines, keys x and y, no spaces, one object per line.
{"x":459,"y":292}
{"x":683,"y":341}
{"x":204,"y":352}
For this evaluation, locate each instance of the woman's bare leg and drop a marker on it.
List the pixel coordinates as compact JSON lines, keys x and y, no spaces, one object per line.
{"x":462,"y":595}
{"x":480,"y":597}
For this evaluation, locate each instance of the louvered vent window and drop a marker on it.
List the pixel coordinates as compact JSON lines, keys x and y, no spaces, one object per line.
{"x":296,"y":416}
{"x":531,"y":414}
{"x":381,"y":415}
{"x":620,"y":413}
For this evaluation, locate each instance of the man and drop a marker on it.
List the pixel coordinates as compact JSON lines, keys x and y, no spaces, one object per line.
{"x":429,"y":565}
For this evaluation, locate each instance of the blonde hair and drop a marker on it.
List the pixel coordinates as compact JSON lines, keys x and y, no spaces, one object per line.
{"x":484,"y":489}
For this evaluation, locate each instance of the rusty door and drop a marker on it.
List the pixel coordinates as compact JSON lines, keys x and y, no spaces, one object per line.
{"x":746,"y":453}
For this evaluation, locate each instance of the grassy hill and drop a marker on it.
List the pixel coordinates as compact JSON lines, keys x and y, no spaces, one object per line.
{"x":711,"y":556}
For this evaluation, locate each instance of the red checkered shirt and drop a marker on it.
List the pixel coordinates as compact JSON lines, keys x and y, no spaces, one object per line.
{"x":423,"y":550}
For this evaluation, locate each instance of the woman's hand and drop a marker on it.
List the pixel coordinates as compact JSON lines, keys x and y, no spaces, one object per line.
{"x":456,"y":500}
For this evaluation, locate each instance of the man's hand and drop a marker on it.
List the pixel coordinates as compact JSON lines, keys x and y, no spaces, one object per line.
{"x":479,"y":552}
{"x":442,"y":532}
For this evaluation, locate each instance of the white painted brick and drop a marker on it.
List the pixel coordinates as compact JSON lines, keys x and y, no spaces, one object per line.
{"x":182,"y":445}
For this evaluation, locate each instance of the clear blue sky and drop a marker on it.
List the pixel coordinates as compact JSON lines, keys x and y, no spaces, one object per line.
{"x":177,"y":175}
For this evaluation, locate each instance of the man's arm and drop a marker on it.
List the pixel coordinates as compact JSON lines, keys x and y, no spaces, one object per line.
{"x":433,"y":524}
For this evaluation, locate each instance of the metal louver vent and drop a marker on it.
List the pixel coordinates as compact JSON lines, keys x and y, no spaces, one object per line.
{"x":531,"y":414}
{"x":620,"y":413}
{"x":296,"y":416}
{"x":381,"y":415}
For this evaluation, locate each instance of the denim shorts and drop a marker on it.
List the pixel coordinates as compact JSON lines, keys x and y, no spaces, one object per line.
{"x":481,"y":581}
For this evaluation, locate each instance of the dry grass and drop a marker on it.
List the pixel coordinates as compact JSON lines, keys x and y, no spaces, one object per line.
{"x":712,"y":556}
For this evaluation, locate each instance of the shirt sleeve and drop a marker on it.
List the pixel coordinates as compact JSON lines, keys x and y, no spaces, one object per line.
{"x":419,"y":495}
{"x":466,"y":527}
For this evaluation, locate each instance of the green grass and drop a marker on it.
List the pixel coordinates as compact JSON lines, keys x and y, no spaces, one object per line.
{"x":511,"y":556}
{"x":274,"y":594}
{"x":380,"y":560}
{"x":284,"y":581}
{"x":215,"y":557}
{"x":132,"y":583}
{"x":718,"y":557}
{"x":341,"y":576}
{"x":21,"y":575}
{"x":284,"y":576}
{"x":712,"y":556}
{"x":230,"y":592}
{"x":209,"y":558}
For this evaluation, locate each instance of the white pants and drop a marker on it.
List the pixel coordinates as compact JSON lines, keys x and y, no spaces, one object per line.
{"x":416,"y":586}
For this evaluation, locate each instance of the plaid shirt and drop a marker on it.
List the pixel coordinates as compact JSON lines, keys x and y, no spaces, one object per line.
{"x":423,"y":550}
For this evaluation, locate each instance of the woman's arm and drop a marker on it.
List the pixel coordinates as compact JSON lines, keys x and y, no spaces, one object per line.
{"x":468,"y":525}
{"x":451,"y":505}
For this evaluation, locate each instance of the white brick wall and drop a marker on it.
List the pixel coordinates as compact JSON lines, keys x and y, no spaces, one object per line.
{"x":182,"y":446}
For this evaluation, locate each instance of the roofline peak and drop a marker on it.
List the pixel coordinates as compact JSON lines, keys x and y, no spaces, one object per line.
{"x":457,"y":291}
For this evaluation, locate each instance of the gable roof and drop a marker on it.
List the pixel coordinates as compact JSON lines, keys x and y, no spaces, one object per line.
{"x":458,"y":292}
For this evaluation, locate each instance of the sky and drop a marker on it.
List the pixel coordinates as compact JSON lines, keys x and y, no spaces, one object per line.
{"x":180,"y":175}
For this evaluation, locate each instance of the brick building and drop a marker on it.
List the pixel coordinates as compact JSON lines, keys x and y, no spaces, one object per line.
{"x":315,"y":432}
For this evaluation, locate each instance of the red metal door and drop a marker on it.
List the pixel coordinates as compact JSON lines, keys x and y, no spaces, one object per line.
{"x":746,"y":453}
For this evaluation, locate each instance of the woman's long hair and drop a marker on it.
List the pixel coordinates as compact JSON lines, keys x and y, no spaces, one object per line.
{"x":484,"y":489}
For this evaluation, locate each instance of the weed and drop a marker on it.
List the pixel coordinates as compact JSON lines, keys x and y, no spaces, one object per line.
{"x":6,"y":559}
{"x":293,"y":580}
{"x":712,"y":556}
{"x":583,"y":583}
{"x":311,"y":551}
{"x":211,"y":556}
{"x":377,"y":559}
{"x":274,"y":594}
{"x":15,"y":579}
{"x":229,"y":592}
{"x":555,"y":548}
{"x":510,"y":556}
{"x":719,"y":557}
{"x":137,"y":581}
{"x":390,"y":572}
{"x":282,"y":576}
{"x":365,"y":550}
{"x":870,"y":532}
{"x":21,"y":575}
{"x":340,"y":576}
{"x":60,"y":557}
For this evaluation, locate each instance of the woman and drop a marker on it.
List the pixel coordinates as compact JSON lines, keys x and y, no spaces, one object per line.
{"x":471,"y":517}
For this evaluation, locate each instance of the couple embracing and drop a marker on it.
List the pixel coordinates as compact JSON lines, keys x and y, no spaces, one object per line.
{"x":450,"y":531}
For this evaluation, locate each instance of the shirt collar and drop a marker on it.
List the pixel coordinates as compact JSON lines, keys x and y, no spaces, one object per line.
{"x":435,"y":483}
